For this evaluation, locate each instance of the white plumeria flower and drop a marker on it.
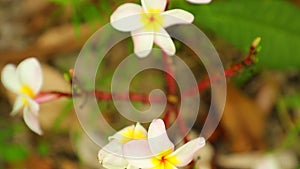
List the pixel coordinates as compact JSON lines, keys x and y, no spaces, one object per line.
{"x":111,"y":155}
{"x":199,"y":1}
{"x":25,"y":81}
{"x":146,"y":24}
{"x":157,"y":151}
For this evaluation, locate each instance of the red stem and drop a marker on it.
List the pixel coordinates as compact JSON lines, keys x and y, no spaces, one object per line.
{"x":171,"y":88}
{"x":171,"y":84}
{"x":231,"y":71}
{"x":44,"y":97}
{"x":101,"y":96}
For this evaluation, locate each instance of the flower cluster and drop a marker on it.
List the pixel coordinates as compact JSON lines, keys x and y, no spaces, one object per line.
{"x":133,"y":147}
{"x":147,"y":25}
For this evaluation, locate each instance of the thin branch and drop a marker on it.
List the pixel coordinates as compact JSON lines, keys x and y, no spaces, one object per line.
{"x":45,"y":96}
{"x":171,"y":84}
{"x":249,"y":60}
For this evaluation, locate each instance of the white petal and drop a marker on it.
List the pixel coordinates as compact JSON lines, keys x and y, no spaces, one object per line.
{"x":17,"y":105}
{"x":131,"y":167}
{"x":10,"y":79}
{"x":199,"y":1}
{"x":34,"y":107}
{"x":176,"y":16}
{"x":140,"y":130}
{"x":186,"y":152}
{"x":31,"y":121}
{"x":113,"y":147}
{"x":131,"y":132}
{"x":114,"y":164}
{"x":127,"y":17}
{"x":138,"y":153}
{"x":111,"y":156}
{"x":164,"y":41}
{"x":121,"y":135}
{"x":149,"y":5}
{"x":30,"y":73}
{"x":158,"y":139}
{"x":143,"y":42}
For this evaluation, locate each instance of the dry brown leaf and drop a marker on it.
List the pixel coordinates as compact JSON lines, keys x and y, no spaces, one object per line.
{"x":40,"y":163}
{"x":68,"y":164}
{"x":243,"y":121}
{"x":61,"y":39}
{"x":34,"y":162}
{"x":33,"y":7}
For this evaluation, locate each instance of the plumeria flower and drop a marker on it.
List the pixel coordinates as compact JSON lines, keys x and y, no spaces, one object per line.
{"x":157,"y":151}
{"x":25,"y":81}
{"x":199,"y":1}
{"x":146,"y":24}
{"x":111,"y":155}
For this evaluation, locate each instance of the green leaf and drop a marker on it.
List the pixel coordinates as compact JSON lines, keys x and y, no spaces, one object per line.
{"x":239,"y":22}
{"x":60,"y":1}
{"x":13,"y":153}
{"x":43,"y":148}
{"x":292,"y":101}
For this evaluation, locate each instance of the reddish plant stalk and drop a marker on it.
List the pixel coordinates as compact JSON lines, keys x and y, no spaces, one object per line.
{"x":172,"y":92}
{"x":171,"y":84}
{"x":105,"y":96}
{"x":231,"y":71}
{"x":171,"y":87}
{"x":44,"y":96}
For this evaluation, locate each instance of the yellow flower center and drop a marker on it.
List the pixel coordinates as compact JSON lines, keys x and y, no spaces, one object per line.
{"x":164,"y":160}
{"x":25,"y":89}
{"x":152,"y":20}
{"x":130,"y":134}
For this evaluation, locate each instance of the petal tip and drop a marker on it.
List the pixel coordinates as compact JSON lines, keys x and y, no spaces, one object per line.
{"x":32,"y":61}
{"x":202,"y":141}
{"x":142,"y":54}
{"x":37,"y":130}
{"x":31,"y":121}
{"x":170,"y":52}
{"x":157,"y":121}
{"x":40,"y":132}
{"x":199,"y":1}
